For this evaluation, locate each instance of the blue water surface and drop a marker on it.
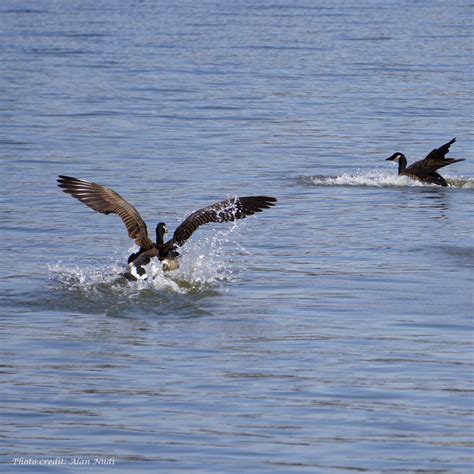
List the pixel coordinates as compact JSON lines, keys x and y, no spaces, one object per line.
{"x":330,"y":334}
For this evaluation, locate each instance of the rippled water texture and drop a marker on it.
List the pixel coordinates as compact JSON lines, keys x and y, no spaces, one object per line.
{"x":331,"y":333}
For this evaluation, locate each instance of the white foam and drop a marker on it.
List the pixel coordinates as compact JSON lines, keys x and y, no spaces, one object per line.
{"x":461,"y":182}
{"x":380,"y":179}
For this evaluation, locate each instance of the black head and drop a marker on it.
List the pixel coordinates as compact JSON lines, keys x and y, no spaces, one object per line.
{"x":161,"y":231}
{"x":396,"y":157}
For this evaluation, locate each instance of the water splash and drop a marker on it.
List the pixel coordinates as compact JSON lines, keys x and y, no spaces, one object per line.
{"x":87,"y":277}
{"x":205,"y":262}
{"x":206,"y":259}
{"x":461,"y":182}
{"x":379,"y":179}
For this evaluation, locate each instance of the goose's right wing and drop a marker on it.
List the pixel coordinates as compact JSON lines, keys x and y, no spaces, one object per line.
{"x":107,"y":201}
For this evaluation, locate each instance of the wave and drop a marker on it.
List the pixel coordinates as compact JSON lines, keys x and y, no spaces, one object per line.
{"x":379,"y":179}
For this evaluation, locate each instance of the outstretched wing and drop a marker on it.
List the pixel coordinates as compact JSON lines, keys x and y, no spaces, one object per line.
{"x":225,"y":211}
{"x":441,"y":152}
{"x":425,"y":168}
{"x":107,"y":201}
{"x":435,"y":160}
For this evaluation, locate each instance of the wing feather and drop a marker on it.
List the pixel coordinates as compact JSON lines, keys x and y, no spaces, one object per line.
{"x":107,"y":201}
{"x":427,"y":167}
{"x":224,"y":211}
{"x":441,"y":152}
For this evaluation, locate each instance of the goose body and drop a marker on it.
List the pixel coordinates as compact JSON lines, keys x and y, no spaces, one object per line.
{"x":107,"y":201}
{"x":426,"y":170}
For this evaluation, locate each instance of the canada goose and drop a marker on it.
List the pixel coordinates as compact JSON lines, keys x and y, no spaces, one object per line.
{"x":106,"y":201}
{"x":425,"y":170}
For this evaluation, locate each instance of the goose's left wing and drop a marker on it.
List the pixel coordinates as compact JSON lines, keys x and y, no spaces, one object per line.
{"x":224,"y":211}
{"x":441,"y":152}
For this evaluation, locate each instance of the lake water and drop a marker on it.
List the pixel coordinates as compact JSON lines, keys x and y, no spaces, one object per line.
{"x":332,"y":333}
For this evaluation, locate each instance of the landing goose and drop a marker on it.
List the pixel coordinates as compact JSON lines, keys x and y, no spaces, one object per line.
{"x":107,"y":201}
{"x":425,"y":170}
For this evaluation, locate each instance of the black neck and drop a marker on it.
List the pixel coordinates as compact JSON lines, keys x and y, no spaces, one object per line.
{"x":402,"y":164}
{"x":160,"y":237}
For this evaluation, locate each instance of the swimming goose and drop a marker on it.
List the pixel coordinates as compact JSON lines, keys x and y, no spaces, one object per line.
{"x":106,"y":201}
{"x":425,"y":170}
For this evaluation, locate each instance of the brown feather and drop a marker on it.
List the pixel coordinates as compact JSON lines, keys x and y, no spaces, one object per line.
{"x":224,"y":211}
{"x":107,"y":201}
{"x":428,"y":166}
{"x":441,"y":152}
